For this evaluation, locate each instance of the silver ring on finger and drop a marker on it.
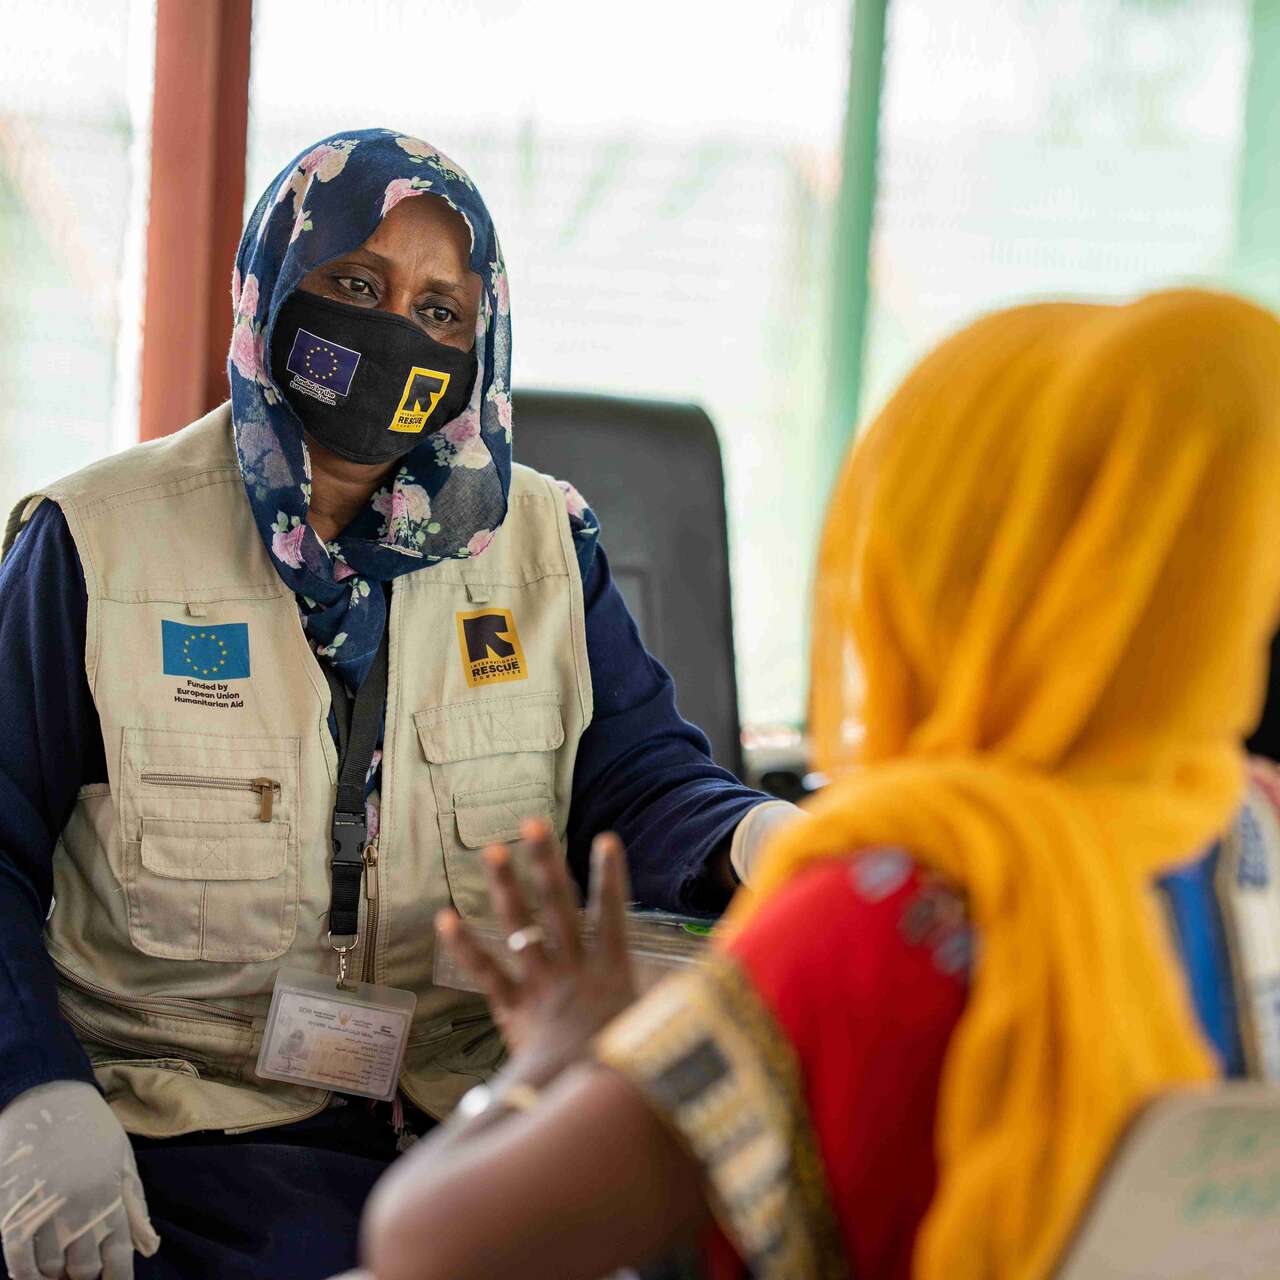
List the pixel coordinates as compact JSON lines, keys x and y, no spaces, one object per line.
{"x":530,"y":936}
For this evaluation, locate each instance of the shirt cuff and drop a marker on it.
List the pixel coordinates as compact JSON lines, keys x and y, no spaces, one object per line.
{"x":11,"y":1087}
{"x":752,"y":834}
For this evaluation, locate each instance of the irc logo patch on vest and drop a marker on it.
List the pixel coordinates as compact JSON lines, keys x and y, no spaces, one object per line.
{"x":218,"y":652}
{"x":491,"y":652}
{"x":423,"y":387}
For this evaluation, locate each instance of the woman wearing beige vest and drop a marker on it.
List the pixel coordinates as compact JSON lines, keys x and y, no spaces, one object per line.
{"x":192,"y":779}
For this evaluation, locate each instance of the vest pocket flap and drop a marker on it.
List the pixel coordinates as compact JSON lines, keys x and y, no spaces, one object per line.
{"x":494,"y":817}
{"x":182,"y":850}
{"x":464,"y":731}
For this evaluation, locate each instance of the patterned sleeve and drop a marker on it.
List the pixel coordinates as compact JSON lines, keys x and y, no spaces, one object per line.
{"x":710,"y":1060}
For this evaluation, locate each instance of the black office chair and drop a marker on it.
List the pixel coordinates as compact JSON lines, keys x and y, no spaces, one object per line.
{"x":651,"y":471}
{"x":1265,"y":739}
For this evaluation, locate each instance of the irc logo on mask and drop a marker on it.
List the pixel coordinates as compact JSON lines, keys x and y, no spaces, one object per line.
{"x":424,"y":386}
{"x":491,"y":652}
{"x":321,"y":369}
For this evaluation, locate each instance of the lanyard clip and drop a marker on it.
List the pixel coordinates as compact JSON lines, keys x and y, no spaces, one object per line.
{"x":343,"y":951}
{"x":350,"y":835}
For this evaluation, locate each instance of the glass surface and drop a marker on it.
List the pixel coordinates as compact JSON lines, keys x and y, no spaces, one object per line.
{"x":661,"y":177}
{"x":74,"y":109}
{"x":1087,"y":150}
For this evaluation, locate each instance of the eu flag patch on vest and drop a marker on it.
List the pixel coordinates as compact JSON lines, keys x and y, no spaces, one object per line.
{"x":206,"y":653}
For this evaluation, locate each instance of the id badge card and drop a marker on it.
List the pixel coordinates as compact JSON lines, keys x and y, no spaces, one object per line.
{"x":348,"y":1039}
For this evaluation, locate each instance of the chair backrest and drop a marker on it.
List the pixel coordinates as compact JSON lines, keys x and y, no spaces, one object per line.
{"x":651,"y":471}
{"x":1192,"y":1192}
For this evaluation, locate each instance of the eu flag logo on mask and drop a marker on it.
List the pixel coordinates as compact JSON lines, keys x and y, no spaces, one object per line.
{"x":206,"y":653}
{"x":322,"y":362}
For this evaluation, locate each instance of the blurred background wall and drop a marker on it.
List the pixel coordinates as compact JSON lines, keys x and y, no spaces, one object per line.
{"x":769,"y":209}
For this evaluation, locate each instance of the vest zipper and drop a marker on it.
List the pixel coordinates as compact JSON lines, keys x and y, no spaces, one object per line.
{"x":90,"y":1032}
{"x":266,"y":788}
{"x":171,"y":1006}
{"x":371,"y":912}
{"x":177,"y":1007}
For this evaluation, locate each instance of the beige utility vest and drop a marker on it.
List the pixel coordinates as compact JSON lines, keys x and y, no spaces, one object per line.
{"x":179,"y":891}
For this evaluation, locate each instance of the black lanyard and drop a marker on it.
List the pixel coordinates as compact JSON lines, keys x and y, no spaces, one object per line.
{"x":357,"y":740}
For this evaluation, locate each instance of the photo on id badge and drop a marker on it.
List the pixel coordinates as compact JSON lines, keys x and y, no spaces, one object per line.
{"x":294,"y":1051}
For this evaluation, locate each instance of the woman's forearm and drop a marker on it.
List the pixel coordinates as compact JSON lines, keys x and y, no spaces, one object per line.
{"x":588,"y":1182}
{"x":525,"y":1075}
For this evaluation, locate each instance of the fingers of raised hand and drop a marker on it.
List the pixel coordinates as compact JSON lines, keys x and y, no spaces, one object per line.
{"x":559,"y":895}
{"x":524,"y":938}
{"x":474,"y":959}
{"x":609,"y":893}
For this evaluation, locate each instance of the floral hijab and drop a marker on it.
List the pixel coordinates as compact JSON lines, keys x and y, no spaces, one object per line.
{"x":449,"y":494}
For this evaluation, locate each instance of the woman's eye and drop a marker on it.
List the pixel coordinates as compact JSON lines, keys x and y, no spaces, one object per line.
{"x":438,"y":315}
{"x":354,"y":285}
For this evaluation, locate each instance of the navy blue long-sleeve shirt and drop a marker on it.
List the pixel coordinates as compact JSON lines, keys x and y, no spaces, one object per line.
{"x":641,"y":770}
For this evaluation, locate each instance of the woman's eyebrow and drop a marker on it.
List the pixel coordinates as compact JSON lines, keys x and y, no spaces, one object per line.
{"x":356,"y":258}
{"x":455,"y":287}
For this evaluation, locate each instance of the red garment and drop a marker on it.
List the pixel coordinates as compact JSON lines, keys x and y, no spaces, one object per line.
{"x":867,"y":978}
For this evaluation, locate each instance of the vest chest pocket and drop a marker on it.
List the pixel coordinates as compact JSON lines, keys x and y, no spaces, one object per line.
{"x":492,"y":767}
{"x":210,"y":845}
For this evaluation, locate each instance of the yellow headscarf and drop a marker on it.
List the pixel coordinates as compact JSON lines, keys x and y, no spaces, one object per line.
{"x":1046,"y":586}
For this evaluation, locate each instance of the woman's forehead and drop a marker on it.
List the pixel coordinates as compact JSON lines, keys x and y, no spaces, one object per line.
{"x":425,"y":220}
{"x":423,"y":238}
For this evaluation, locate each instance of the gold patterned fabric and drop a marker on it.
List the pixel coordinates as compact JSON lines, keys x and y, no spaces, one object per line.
{"x":716,"y":1067}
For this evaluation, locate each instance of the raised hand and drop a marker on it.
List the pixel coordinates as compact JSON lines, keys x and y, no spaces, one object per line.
{"x":551,"y":993}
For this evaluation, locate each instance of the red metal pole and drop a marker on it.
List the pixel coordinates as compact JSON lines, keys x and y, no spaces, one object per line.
{"x":199,"y":122}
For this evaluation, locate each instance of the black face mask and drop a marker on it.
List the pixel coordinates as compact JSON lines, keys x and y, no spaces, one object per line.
{"x":366,"y":384}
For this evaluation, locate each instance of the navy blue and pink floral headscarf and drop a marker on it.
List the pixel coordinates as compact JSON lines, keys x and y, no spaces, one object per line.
{"x":449,"y":494}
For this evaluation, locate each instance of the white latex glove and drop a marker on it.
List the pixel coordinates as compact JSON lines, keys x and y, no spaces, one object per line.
{"x":71,"y":1203}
